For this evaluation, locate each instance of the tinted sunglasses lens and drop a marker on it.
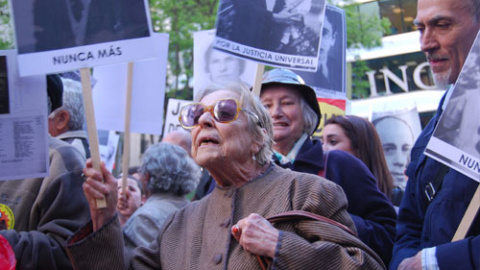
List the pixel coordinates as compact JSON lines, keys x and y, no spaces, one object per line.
{"x":190,"y":114}
{"x":225,"y":110}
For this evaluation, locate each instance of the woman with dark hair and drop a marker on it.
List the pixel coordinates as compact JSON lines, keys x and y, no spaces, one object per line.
{"x":358,"y":136}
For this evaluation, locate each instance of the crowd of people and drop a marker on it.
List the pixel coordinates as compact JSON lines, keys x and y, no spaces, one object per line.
{"x":273,"y":196}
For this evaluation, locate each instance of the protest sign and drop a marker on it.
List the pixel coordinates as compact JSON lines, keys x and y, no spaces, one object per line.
{"x":172,"y":114}
{"x":456,"y":139}
{"x":56,"y":35}
{"x":148,"y":92}
{"x":278,"y":33}
{"x":211,"y":66}
{"x":397,"y":130}
{"x":23,"y":122}
{"x":329,"y":79}
{"x":328,"y":108}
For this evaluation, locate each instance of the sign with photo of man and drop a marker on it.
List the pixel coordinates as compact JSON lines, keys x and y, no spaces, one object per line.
{"x":282,"y":33}
{"x":68,"y":35}
{"x":456,"y":139}
{"x":330,"y":77}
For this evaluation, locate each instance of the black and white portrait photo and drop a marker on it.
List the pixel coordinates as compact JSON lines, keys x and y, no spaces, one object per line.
{"x":330,"y":75}
{"x":44,"y":25}
{"x":271,"y":30}
{"x":397,"y":131}
{"x":214,"y":67}
{"x":456,"y":139}
{"x":459,"y":125}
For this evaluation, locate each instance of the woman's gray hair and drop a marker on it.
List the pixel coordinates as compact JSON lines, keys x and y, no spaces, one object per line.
{"x":259,"y":122}
{"x":310,"y":118}
{"x":171,"y":169}
{"x":73,"y":103}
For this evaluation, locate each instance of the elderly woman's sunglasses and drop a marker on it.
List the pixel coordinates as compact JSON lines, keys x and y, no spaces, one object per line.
{"x":223,"y":111}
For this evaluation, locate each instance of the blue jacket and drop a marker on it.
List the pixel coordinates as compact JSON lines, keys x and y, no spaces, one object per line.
{"x":371,"y":211}
{"x":421,"y":225}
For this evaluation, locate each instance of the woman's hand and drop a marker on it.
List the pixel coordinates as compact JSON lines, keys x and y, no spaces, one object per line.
{"x":94,"y":188}
{"x":256,"y":235}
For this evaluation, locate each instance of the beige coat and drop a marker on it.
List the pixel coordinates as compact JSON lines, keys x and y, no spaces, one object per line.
{"x":198,"y":236}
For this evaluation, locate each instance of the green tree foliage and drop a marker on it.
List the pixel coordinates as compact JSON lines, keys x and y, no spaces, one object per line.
{"x":6,"y":30}
{"x":181,"y":18}
{"x":363,"y":29}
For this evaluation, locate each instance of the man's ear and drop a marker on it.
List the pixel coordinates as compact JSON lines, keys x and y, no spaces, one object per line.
{"x":61,"y":120}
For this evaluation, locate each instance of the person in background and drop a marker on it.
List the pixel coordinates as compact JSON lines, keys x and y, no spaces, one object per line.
{"x":397,"y":140}
{"x":133,"y":171}
{"x":43,"y":212}
{"x":358,"y":137}
{"x":295,"y":113}
{"x":427,"y":220}
{"x":232,"y":138}
{"x":66,"y":122}
{"x":167,"y":174}
{"x":129,"y":201}
{"x":181,"y":138}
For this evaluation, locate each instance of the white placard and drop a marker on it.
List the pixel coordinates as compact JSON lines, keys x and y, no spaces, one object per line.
{"x":456,"y":139}
{"x":148,"y":93}
{"x":172,"y":113}
{"x":23,"y":122}
{"x":51,"y":38}
{"x":283,"y":34}
{"x":211,"y":66}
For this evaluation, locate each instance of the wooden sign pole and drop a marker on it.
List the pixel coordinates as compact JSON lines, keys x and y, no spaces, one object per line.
{"x":257,"y":85}
{"x":126,"y":137}
{"x":468,"y":217}
{"x":91,"y":124}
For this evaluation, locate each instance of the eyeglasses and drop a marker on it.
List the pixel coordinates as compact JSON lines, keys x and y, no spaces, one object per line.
{"x":223,"y":111}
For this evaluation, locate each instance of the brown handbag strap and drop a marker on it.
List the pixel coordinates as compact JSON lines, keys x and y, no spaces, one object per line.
{"x":296,"y":215}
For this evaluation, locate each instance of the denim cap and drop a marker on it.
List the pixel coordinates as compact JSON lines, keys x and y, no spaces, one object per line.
{"x":287,"y":77}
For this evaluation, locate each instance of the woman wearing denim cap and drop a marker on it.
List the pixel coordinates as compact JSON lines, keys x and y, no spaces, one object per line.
{"x":295,"y":114}
{"x":232,"y":138}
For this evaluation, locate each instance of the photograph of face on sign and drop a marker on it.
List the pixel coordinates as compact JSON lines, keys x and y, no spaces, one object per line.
{"x":456,"y":139}
{"x":283,"y":33}
{"x":52,"y":30}
{"x":329,"y":79}
{"x":398,"y":131}
{"x":211,"y":66}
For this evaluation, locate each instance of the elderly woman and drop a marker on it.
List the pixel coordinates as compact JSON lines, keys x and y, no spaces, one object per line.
{"x":167,"y":174}
{"x":231,"y":134}
{"x":295,"y":113}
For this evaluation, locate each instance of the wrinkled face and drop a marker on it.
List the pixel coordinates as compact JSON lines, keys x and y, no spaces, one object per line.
{"x":134,"y":196}
{"x":215,"y":143}
{"x":397,"y":141}
{"x":223,"y":67}
{"x":447,"y":31}
{"x":334,"y":138}
{"x":283,"y":105}
{"x":328,"y":40}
